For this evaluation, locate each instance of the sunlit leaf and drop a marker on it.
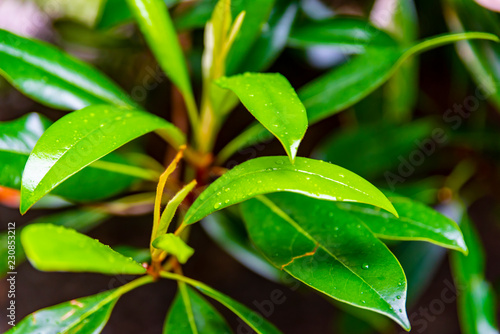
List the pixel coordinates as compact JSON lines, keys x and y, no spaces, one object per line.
{"x":80,"y":138}
{"x":51,"y":77}
{"x":174,"y":245}
{"x":82,"y":315}
{"x":56,"y":248}
{"x":265,"y":175}
{"x":273,"y":102}
{"x":347,"y":84}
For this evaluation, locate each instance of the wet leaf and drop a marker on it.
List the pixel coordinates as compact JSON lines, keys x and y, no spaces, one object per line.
{"x":265,"y":175}
{"x":273,"y":102}
{"x":416,"y":222}
{"x":83,"y":315}
{"x":54,"y":78}
{"x":174,"y":245}
{"x":330,"y":251}
{"x":80,"y":138}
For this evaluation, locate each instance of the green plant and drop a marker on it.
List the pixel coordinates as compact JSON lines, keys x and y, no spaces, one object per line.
{"x":317,"y":222}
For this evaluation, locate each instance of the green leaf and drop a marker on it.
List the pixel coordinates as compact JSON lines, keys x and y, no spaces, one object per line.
{"x":195,"y":16}
{"x":192,"y":314}
{"x":416,"y":222}
{"x":330,"y":251}
{"x":347,"y":84}
{"x":257,"y":14}
{"x":140,"y":255}
{"x":382,"y":144}
{"x":350,"y":34}
{"x":53,"y":78}
{"x":273,"y":39}
{"x":171,"y":208}
{"x":174,"y":245}
{"x":265,"y":175}
{"x":480,"y":58}
{"x":83,"y":315}
{"x":81,"y":220}
{"x":476,"y":297}
{"x":80,"y":138}
{"x":254,"y":320}
{"x":156,"y":25}
{"x":95,"y":182}
{"x":273,"y":102}
{"x":56,"y":248}
{"x":228,"y":231}
{"x":116,"y":12}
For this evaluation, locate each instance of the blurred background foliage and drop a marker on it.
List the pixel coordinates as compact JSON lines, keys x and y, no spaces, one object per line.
{"x":429,"y":133}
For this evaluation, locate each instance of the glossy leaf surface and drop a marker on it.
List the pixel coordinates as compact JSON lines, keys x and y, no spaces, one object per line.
{"x":174,"y":245}
{"x":80,"y":138}
{"x":53,"y":78}
{"x":416,"y":222}
{"x":273,"y":102}
{"x":476,"y":297}
{"x":156,"y":25}
{"x":331,"y":252}
{"x":17,"y":139}
{"x":83,"y":315}
{"x":191,"y":314}
{"x":56,"y":248}
{"x":347,"y":84}
{"x":264,"y":175}
{"x":351,"y":35}
{"x":81,"y":220}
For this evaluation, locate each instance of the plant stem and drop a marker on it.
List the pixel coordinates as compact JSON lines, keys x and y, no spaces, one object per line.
{"x":146,"y":279}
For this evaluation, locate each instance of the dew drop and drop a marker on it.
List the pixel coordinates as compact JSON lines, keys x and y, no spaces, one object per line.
{"x":398,"y":297}
{"x":279,"y":162}
{"x":365,"y":266}
{"x":400,"y":311}
{"x":217,"y":205}
{"x":363,"y":301}
{"x":226,"y":201}
{"x":227,"y":189}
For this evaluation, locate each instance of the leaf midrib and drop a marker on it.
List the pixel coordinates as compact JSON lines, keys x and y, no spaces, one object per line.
{"x":274,"y":208}
{"x":270,"y":171}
